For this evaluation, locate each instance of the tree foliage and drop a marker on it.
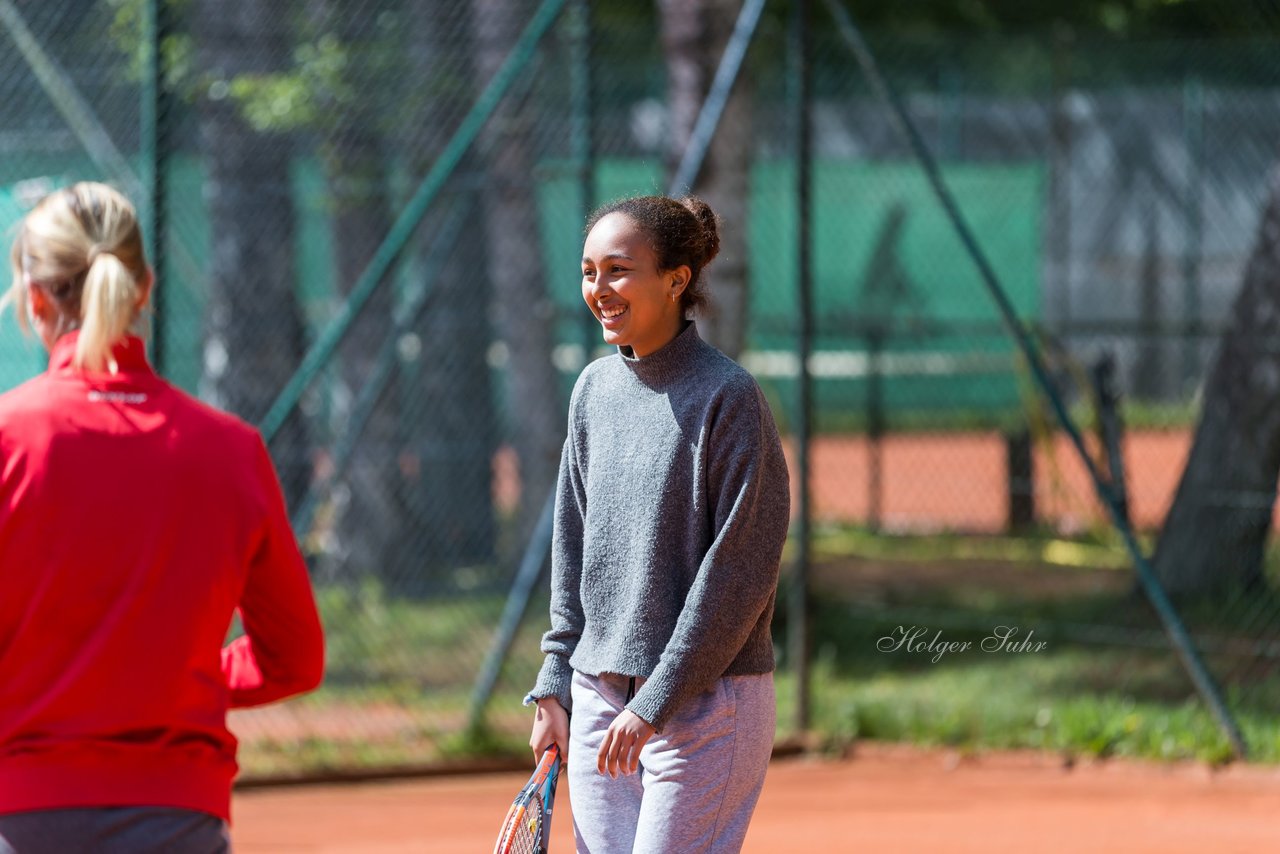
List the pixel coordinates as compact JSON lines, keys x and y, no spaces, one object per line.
{"x":1121,"y":18}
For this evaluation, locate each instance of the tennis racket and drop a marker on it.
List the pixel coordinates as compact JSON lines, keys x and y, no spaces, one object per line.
{"x":527,"y":827}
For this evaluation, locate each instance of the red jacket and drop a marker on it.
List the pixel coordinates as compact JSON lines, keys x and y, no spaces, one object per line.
{"x":134,"y":520}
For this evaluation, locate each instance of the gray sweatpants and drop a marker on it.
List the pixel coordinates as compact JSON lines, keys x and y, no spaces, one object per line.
{"x":699,"y":779}
{"x":113,"y":830}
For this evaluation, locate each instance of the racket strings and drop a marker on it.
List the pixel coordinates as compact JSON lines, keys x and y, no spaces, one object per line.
{"x":526,"y":833}
{"x":528,"y":822}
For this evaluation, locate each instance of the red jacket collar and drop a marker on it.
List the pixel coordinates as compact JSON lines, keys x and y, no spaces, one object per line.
{"x":130,"y":353}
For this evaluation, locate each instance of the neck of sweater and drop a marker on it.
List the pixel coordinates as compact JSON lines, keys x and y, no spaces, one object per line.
{"x":668,"y":361}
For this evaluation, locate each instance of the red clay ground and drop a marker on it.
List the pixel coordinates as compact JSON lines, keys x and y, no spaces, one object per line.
{"x":958,"y":481}
{"x":887,"y":798}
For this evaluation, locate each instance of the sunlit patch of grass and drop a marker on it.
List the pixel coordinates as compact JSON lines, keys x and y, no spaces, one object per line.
{"x":1092,"y":549}
{"x":1019,"y":703}
{"x":1105,"y":683}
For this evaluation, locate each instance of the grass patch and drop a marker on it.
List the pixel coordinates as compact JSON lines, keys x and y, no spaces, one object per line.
{"x":1095,"y":550}
{"x":1106,"y":681}
{"x":398,"y":689}
{"x":1019,"y":704}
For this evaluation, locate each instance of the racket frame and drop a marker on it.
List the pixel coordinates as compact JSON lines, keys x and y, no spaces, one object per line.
{"x":541,"y":785}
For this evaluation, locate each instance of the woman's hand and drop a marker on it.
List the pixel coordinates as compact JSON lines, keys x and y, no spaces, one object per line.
{"x":620,"y":752}
{"x":550,"y":726}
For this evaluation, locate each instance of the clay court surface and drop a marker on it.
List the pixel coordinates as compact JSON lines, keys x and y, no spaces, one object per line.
{"x":886,"y":798}
{"x":959,"y":481}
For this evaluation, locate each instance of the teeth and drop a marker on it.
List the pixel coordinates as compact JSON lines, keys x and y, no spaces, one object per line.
{"x":612,"y":311}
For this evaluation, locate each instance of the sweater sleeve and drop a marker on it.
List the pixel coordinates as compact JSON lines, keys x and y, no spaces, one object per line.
{"x":749,"y":495}
{"x":567,"y":618}
{"x":282,"y":650}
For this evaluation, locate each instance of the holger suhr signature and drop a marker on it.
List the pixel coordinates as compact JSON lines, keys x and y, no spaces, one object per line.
{"x":917,"y":639}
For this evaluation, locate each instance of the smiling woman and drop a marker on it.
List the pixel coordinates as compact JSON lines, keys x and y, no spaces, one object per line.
{"x":671,"y":512}
{"x":642,"y":265}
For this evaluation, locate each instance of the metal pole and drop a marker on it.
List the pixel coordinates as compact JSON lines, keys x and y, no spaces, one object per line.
{"x":69,"y":102}
{"x":384,"y":370}
{"x":147,"y":109}
{"x":1058,"y":233}
{"x":721,"y":87}
{"x":582,"y":89}
{"x":1181,"y":641}
{"x":156,"y":123}
{"x":1193,"y":142}
{"x":798,"y":641}
{"x":405,"y":225}
{"x":875,"y":424}
{"x":84,"y":122}
{"x":531,"y":568}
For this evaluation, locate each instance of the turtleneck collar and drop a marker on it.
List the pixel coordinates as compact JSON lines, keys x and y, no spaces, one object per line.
{"x":130,"y":355}
{"x":667,"y":361}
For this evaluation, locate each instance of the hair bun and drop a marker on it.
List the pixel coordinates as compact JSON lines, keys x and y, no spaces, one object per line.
{"x":710,"y":227}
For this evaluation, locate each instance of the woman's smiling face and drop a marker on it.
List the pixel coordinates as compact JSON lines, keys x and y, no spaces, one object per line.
{"x":625,"y":290}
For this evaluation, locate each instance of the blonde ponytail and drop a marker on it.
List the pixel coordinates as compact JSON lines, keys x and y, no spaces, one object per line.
{"x":16,"y":296}
{"x":108,"y":305}
{"x":83,"y":248}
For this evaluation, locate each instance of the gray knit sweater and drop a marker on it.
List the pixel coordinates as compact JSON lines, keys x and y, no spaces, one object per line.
{"x":671,"y":512}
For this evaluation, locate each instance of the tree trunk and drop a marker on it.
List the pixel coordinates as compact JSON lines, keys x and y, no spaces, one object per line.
{"x":371,"y":528}
{"x":694,"y":36}
{"x":524,"y":313}
{"x":445,"y":394}
{"x":254,"y":331}
{"x":1213,"y":537}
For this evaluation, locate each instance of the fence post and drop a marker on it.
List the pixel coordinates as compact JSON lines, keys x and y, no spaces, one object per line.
{"x":875,"y":425}
{"x":1021,"y":479}
{"x":1193,"y":223}
{"x":582,"y":89}
{"x":156,"y":120}
{"x":798,"y":618}
{"x":704,"y":128}
{"x":1111,"y":428}
{"x":1057,"y":235}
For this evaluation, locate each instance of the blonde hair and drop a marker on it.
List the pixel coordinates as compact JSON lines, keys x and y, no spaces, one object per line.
{"x":82,"y":245}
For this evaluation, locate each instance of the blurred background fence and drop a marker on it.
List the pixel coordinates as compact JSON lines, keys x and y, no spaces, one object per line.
{"x":374,"y":209}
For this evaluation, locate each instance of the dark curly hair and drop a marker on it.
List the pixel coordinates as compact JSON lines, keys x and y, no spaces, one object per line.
{"x":680,"y":231}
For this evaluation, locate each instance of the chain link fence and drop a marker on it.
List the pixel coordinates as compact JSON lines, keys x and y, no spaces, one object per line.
{"x":370,"y":248}
{"x":1118,"y":195}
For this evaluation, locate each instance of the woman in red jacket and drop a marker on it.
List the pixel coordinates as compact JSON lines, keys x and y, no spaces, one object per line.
{"x":134,"y":520}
